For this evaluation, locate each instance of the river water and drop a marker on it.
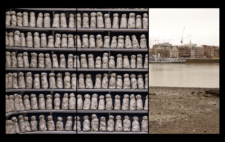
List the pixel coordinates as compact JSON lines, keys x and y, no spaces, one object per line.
{"x":184,"y":75}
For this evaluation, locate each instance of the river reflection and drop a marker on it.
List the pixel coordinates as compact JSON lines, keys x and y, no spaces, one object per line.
{"x":184,"y":75}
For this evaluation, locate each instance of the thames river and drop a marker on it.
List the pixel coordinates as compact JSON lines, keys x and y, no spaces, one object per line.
{"x":184,"y":75}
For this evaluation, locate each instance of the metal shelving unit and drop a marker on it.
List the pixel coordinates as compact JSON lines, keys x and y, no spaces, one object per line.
{"x":78,"y":90}
{"x":81,"y":132}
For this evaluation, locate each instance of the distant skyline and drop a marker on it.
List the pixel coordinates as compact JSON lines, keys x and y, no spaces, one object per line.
{"x":201,"y":25}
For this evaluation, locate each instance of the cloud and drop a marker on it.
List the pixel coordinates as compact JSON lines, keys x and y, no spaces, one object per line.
{"x":188,"y":36}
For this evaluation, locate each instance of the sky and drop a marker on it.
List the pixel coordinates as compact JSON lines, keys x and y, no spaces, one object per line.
{"x":201,"y":25}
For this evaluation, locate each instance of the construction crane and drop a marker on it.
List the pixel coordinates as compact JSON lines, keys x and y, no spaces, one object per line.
{"x":182,"y":40}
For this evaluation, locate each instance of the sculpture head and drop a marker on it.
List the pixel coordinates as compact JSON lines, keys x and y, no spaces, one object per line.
{"x":59,"y":119}
{"x":16,"y":32}
{"x":126,"y":75}
{"x":58,"y":35}
{"x":25,"y":118}
{"x":105,"y":54}
{"x":132,"y":15}
{"x":85,"y":15}
{"x":64,"y":36}
{"x":119,"y":55}
{"x":99,"y":37}
{"x":106,"y":37}
{"x":126,"y":96}
{"x":54,"y":56}
{"x":78,"y":15}
{"x":26,"y":96}
{"x":6,"y":97}
{"x":21,"y":34}
{"x":114,"y":37}
{"x":33,"y":96}
{"x":69,"y":118}
{"x":139,"y":55}
{"x":41,"y":117}
{"x":146,"y":55}
{"x":118,"y":117}
{"x":13,"y":12}
{"x":102,"y":118}
{"x":125,"y":57}
{"x":20,"y":74}
{"x":101,"y":97}
{"x":108,"y":96}
{"x":32,"y":14}
{"x":33,"y":118}
{"x":33,"y":55}
{"x":20,"y":117}
{"x":140,"y":76}
{"x":25,"y":54}
{"x":138,"y":16}
{"x":41,"y":55}
{"x":115,"y":15}
{"x":7,"y":13}
{"x":98,"y":76}
{"x":14,"y":75}
{"x":93,"y":116}
{"x":79,"y":96}
{"x":117,"y":97}
{"x":57,"y":95}
{"x":138,"y":96}
{"x":81,"y":75}
{"x":87,"y":96}
{"x":19,"y":97}
{"x":94,"y":95}
{"x":9,"y":75}
{"x":132,"y":96}
{"x":11,"y":97}
{"x":49,"y":96}
{"x":124,"y":15}
{"x":18,"y":55}
{"x":145,"y":15}
{"x":43,"y":35}
{"x":99,"y":14}
{"x":98,"y":58}
{"x":113,"y":75}
{"x":90,"y":55}
{"x":50,"y":118}
{"x":14,"y":119}
{"x":120,"y":37}
{"x":119,"y":77}
{"x":74,"y":75}
{"x":46,"y":14}
{"x":36,"y":75}
{"x":85,"y":117}
{"x":134,"y":37}
{"x":50,"y":37}
{"x":135,"y":118}
{"x":71,"y":15}
{"x":146,"y":75}
{"x":83,"y":56}
{"x":105,"y":75}
{"x":111,"y":117}
{"x":47,"y":55}
{"x":93,"y":14}
{"x":15,"y":96}
{"x":62,"y":56}
{"x":88,"y":75}
{"x":143,"y":36}
{"x":111,"y":57}
{"x":70,"y":36}
{"x":145,"y":118}
{"x":7,"y":53}
{"x":72,"y":95}
{"x":40,"y":15}
{"x":67,"y":74}
{"x":29,"y":34}
{"x":65,"y":95}
{"x":133,"y":76}
{"x":41,"y":96}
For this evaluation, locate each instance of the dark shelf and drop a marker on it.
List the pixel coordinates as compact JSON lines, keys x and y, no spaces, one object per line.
{"x":81,"y":132}
{"x":78,"y":90}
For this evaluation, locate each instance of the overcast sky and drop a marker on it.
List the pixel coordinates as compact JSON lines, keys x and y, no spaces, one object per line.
{"x":201,"y":25}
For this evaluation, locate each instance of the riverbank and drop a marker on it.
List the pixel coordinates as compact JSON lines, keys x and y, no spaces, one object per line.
{"x":178,"y":110}
{"x":202,"y":60}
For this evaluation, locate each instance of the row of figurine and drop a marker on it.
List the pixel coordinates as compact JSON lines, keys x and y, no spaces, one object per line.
{"x":44,"y":61}
{"x":16,"y":103}
{"x":115,"y":82}
{"x":17,"y":39}
{"x":114,"y":8}
{"x":14,"y":126}
{"x":60,"y":21}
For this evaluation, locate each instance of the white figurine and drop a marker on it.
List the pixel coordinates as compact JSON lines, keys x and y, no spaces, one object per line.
{"x":11,"y":40}
{"x":25,"y":60}
{"x":98,"y":83}
{"x":9,"y":128}
{"x":94,"y":102}
{"x":33,"y":99}
{"x":77,"y":124}
{"x":133,"y":81}
{"x":23,"y":40}
{"x":106,"y":42}
{"x":146,"y":81}
{"x":126,"y":62}
{"x":50,"y":124}
{"x":105,"y":81}
{"x":52,"y":84}
{"x":102,"y":126}
{"x":140,"y":82}
{"x":48,"y":102}
{"x":123,"y":22}
{"x":118,"y":125}
{"x":139,"y":102}
{"x":93,"y":20}
{"x":81,"y":84}
{"x":139,"y":61}
{"x":8,"y":59}
{"x":117,"y":105}
{"x":25,"y":19}
{"x":57,"y":40}
{"x":40,"y":20}
{"x":72,"y":22}
{"x":44,"y":81}
{"x":16,"y":102}
{"x":86,"y":123}
{"x":57,"y":101}
{"x":131,"y":21}
{"x":119,"y":62}
{"x":107,"y":21}
{"x":6,"y":39}
{"x":27,"y":124}
{"x":112,"y":81}
{"x":43,"y":40}
{"x":83,"y":61}
{"x":21,"y":106}
{"x":115,"y":24}
{"x":48,"y":63}
{"x":14,"y":60}
{"x":29,"y":40}
{"x":17,"y":38}
{"x":114,"y":42}
{"x":135,"y":43}
{"x":15,"y":125}
{"x":110,"y":124}
{"x":11,"y":103}
{"x":74,"y":81}
{"x":105,"y":61}
{"x":10,"y":83}
{"x":78,"y":20}
{"x":42,"y":123}
{"x":6,"y":81}
{"x":126,"y":84}
{"x":98,"y":63}
{"x":135,"y":124}
{"x":76,"y":62}
{"x":146,"y":61}
{"x":85,"y":21}
{"x":36,"y":40}
{"x":111,"y":62}
{"x":91,"y":41}
{"x":119,"y":82}
{"x":70,"y":61}
{"x":94,"y":123}
{"x":47,"y":20}
{"x":21,"y":124}
{"x":62,"y":61}
{"x":8,"y":18}
{"x":68,"y":126}
{"x":32,"y":19}
{"x":101,"y":104}
{"x":146,"y":103}
{"x":133,"y":62}
{"x":21,"y":81}
{"x":87,"y":102}
{"x":20,"y":60}
{"x":109,"y":105}
{"x":59,"y":81}
{"x":65,"y":102}
{"x":13,"y":18}
{"x":64,"y":41}
{"x":100,"y":23}
{"x":144,"y":124}
{"x":79,"y":102}
{"x":27,"y":105}
{"x":70,"y":41}
{"x":55,"y":61}
{"x":67,"y":84}
{"x":55,"y":23}
{"x":33,"y":62}
{"x":89,"y":82}
{"x":120,"y":42}
{"x":50,"y":42}
{"x":7,"y":107}
{"x":125,"y":105}
{"x":133,"y":103}
{"x":33,"y":123}
{"x":145,"y":21}
{"x":72,"y":102}
{"x":99,"y":42}
{"x":41,"y":102}
{"x":138,"y":22}
{"x":143,"y":42}
{"x":91,"y":63}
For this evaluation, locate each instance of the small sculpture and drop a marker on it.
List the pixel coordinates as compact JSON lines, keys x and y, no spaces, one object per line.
{"x":41,"y":102}
{"x":123,"y":22}
{"x":146,"y":61}
{"x":144,"y":124}
{"x":125,"y":105}
{"x":83,"y":61}
{"x":25,"y":60}
{"x":85,"y":21}
{"x":64,"y":41}
{"x":105,"y":61}
{"x":99,"y":42}
{"x":11,"y":40}
{"x":48,"y":63}
{"x":33,"y":62}
{"x":146,"y":103}
{"x":50,"y":42}
{"x":40,"y":20}
{"x":77,"y":124}
{"x":146,"y":81}
{"x":8,"y":59}
{"x":133,"y":62}
{"x":47,"y":20}
{"x":16,"y":102}
{"x":133,"y":103}
{"x":32,"y":19}
{"x":19,"y":60}
{"x":79,"y":102}
{"x":70,"y":41}
{"x":21,"y":81}
{"x":86,"y":123}
{"x":119,"y":82}
{"x":145,"y":21}
{"x":140,"y":82}
{"x":138,"y":22}
{"x":55,"y":61}
{"x":143,"y":42}
{"x":72,"y":102}
{"x":21,"y":124}
{"x":135,"y":43}
{"x":44,"y":81}
{"x":26,"y":102}
{"x":29,"y":40}
{"x":74,"y":81}
{"x":126,"y":62}
{"x":139,"y":102}
{"x":98,"y":83}
{"x":11,"y":103}
{"x":102,"y":126}
{"x":43,"y":40}
{"x":48,"y":102}
{"x":10,"y":83}
{"x":87,"y":102}
{"x":13,"y":60}
{"x":52,"y":84}
{"x":55,"y":23}
{"x":65,"y":102}
{"x":72,"y":22}
{"x":36,"y":40}
{"x":91,"y":63}
{"x":115,"y":24}
{"x":62,"y":61}
{"x":111,"y":62}
{"x":131,"y":21}
{"x":76,"y":62}
{"x":105,"y":81}
{"x":23,"y":40}
{"x":139,"y":61}
{"x":107,"y":21}
{"x":126,"y":84}
{"x":57,"y":101}
{"x":93,"y":20}
{"x":9,"y":128}
{"x":21,"y":106}
{"x":89,"y":82}
{"x":91,"y":41}
{"x":117,"y":105}
{"x":106,"y":42}
{"x":6,"y":81}
{"x":15,"y":125}
{"x":68,"y":126}
{"x":67,"y":84}
{"x":119,"y":61}
{"x":112,"y":81}
{"x":135,"y":124}
{"x":25,"y":19}
{"x":17,"y":38}
{"x":78,"y":20}
{"x":100,"y":23}
{"x":42,"y":123}
{"x":57,"y":40}
{"x":33,"y":99}
{"x":114,"y":42}
{"x":110,"y":124}
{"x":59,"y":81}
{"x":8,"y":18}
{"x":94,"y":123}
{"x":94,"y":102}
{"x":6,"y":39}
{"x":98,"y":63}
{"x":109,"y":105}
{"x":118,"y":125}
{"x":120,"y":42}
{"x":81,"y":84}
{"x":33,"y":123}
{"x":13,"y":18}
{"x":101,"y":104}
{"x":133,"y":81}
{"x":51,"y":124}
{"x":27,"y":124}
